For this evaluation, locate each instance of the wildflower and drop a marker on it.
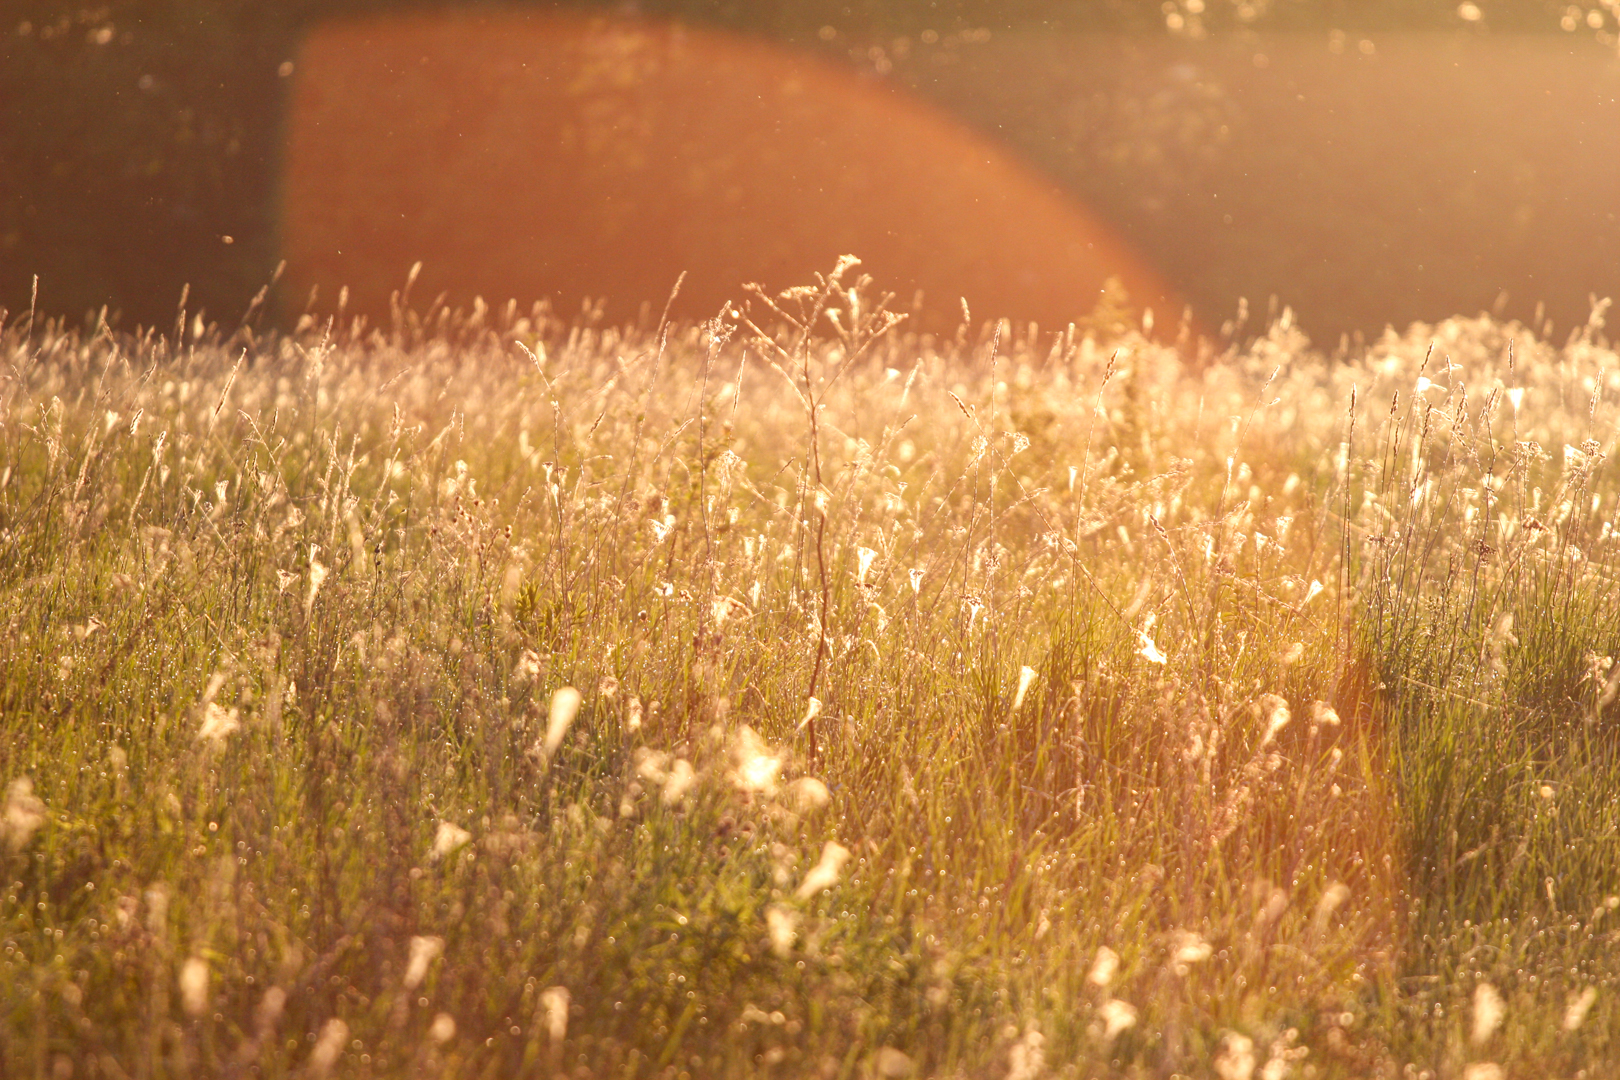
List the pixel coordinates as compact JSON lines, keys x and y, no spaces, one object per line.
{"x":889,"y":1062}
{"x":328,"y":1047}
{"x":284,"y":578}
{"x":194,"y":986}
{"x":554,"y":1012}
{"x":1236,"y":1059}
{"x":1332,"y":897}
{"x":679,"y":781}
{"x":219,"y":723}
{"x":1323,"y":714}
{"x":23,"y":814}
{"x":808,"y":793}
{"x":781,"y":926}
{"x":1575,"y":1012}
{"x":1027,"y":1059}
{"x":863,"y":563}
{"x":424,"y":950}
{"x":757,"y":768}
{"x":916,"y":580}
{"x":1488,"y":1011}
{"x":1026,"y":675}
{"x":1313,"y":592}
{"x":268,"y":1014}
{"x":564,"y":707}
{"x":443,"y":1028}
{"x":449,"y":839}
{"x":1117,"y":1016}
{"x":1104,"y":967}
{"x":825,"y":873}
{"x":1190,"y":948}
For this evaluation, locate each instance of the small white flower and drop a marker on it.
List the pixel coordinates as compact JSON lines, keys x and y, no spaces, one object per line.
{"x":863,"y":563}
{"x":1488,"y":1012}
{"x":23,"y":814}
{"x":1236,"y":1059}
{"x":219,"y":723}
{"x":554,"y":1001}
{"x":1026,"y":676}
{"x":781,"y":925}
{"x":1575,"y":1012}
{"x":1027,"y":1058}
{"x":825,"y":873}
{"x":564,"y":707}
{"x":679,"y":781}
{"x":1117,"y":1016}
{"x":1190,"y":948}
{"x":757,"y":768}
{"x":1104,"y":967}
{"x":424,"y":950}
{"x":328,"y":1047}
{"x":194,"y":986}
{"x":449,"y":839}
{"x":808,"y":793}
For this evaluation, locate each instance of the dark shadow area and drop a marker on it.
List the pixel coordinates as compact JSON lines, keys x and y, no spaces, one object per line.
{"x":1367,"y":164}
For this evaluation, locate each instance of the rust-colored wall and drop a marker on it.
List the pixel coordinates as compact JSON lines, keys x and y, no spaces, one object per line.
{"x":524,"y":156}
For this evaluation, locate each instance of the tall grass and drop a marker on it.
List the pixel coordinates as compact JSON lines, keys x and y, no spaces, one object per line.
{"x":791,"y":694}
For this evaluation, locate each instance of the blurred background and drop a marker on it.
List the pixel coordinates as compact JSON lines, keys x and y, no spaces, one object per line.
{"x":1366,"y":163}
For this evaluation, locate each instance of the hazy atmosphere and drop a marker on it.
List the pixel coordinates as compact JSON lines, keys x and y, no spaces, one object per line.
{"x":908,"y":538}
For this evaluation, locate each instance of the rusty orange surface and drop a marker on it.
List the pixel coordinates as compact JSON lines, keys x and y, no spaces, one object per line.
{"x":525,"y":156}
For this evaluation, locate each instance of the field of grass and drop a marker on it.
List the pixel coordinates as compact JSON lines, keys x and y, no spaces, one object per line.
{"x":794,"y":695}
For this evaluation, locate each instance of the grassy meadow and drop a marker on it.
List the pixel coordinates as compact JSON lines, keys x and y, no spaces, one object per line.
{"x":498,"y":695}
